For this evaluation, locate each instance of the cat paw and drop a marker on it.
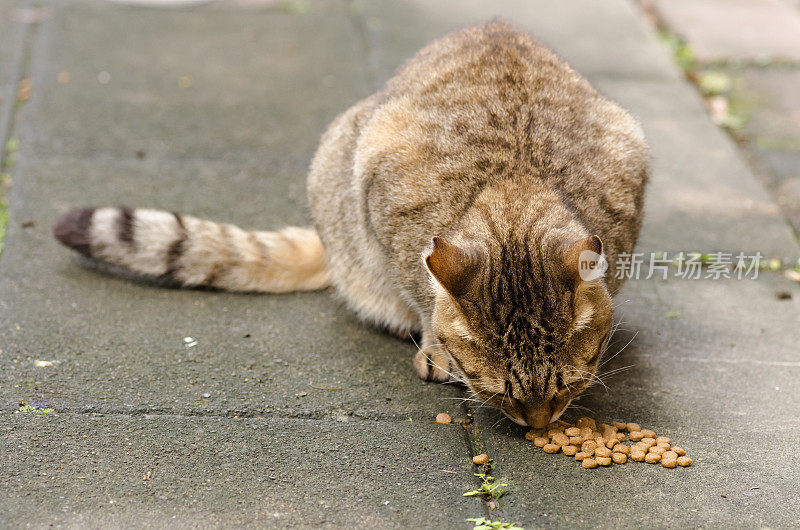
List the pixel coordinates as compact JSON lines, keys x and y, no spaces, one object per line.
{"x":432,"y":365}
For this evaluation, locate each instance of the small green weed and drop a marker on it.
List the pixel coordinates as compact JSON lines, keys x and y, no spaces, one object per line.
{"x":683,"y":53}
{"x":30,"y":408}
{"x":714,"y":83}
{"x":482,"y":523}
{"x":488,"y":488}
{"x":294,"y":7}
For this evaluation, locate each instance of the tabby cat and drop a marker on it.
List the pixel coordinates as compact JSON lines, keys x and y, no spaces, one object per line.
{"x":454,"y":203}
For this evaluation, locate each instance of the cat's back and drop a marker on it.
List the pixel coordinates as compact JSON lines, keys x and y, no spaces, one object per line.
{"x":485,"y":105}
{"x":492,"y":59}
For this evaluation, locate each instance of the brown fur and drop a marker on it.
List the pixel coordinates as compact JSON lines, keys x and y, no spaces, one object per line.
{"x":192,"y":252}
{"x":489,"y":141}
{"x":454,"y":202}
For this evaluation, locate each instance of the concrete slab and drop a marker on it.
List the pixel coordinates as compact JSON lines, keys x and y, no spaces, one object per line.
{"x":770,"y":99}
{"x":787,"y":193}
{"x":773,"y":103}
{"x":12,"y":37}
{"x":7,"y":39}
{"x":743,"y":30}
{"x":88,"y":470}
{"x":205,"y":84}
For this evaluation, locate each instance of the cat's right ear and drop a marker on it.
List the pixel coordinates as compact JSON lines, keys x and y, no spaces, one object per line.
{"x":451,"y":266}
{"x":583,"y":260}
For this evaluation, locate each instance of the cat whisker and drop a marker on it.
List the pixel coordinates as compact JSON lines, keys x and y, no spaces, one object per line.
{"x":619,"y":303}
{"x":453,"y":376}
{"x":463,"y":400}
{"x":485,"y":401}
{"x":615,"y":371}
{"x":592,"y":377}
{"x":615,"y":328}
{"x":621,"y":350}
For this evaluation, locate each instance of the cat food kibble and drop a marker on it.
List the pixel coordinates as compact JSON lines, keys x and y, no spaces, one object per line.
{"x":652,"y":458}
{"x":443,"y":417}
{"x":608,"y":431}
{"x":561,"y":439}
{"x":603,"y":460}
{"x":551,"y":448}
{"x":533,"y":434}
{"x":602,"y":451}
{"x":569,"y":450}
{"x":588,"y":447}
{"x":480,"y":460}
{"x":596,"y":444}
{"x":589,"y":463}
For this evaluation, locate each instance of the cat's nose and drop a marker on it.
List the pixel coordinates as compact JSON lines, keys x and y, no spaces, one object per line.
{"x":539,"y":416}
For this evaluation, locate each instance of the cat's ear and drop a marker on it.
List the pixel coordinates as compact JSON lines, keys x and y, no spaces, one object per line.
{"x":583,"y":260}
{"x":451,"y":266}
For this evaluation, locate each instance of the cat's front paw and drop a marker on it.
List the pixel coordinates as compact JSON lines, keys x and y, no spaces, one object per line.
{"x":432,"y":365}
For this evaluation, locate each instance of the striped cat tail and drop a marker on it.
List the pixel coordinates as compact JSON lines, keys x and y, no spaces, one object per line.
{"x":193,"y":252}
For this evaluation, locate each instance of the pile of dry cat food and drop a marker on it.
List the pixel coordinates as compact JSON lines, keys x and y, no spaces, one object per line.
{"x":601,"y":445}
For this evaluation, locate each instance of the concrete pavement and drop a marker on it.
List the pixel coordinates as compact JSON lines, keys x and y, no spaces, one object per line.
{"x":288,"y":411}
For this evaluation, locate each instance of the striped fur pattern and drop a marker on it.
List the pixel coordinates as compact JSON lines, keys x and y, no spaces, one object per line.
{"x":455,"y":203}
{"x":191,"y":252}
{"x":488,"y":142}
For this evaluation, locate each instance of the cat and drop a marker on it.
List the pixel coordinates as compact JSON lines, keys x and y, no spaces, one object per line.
{"x":459,"y":202}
